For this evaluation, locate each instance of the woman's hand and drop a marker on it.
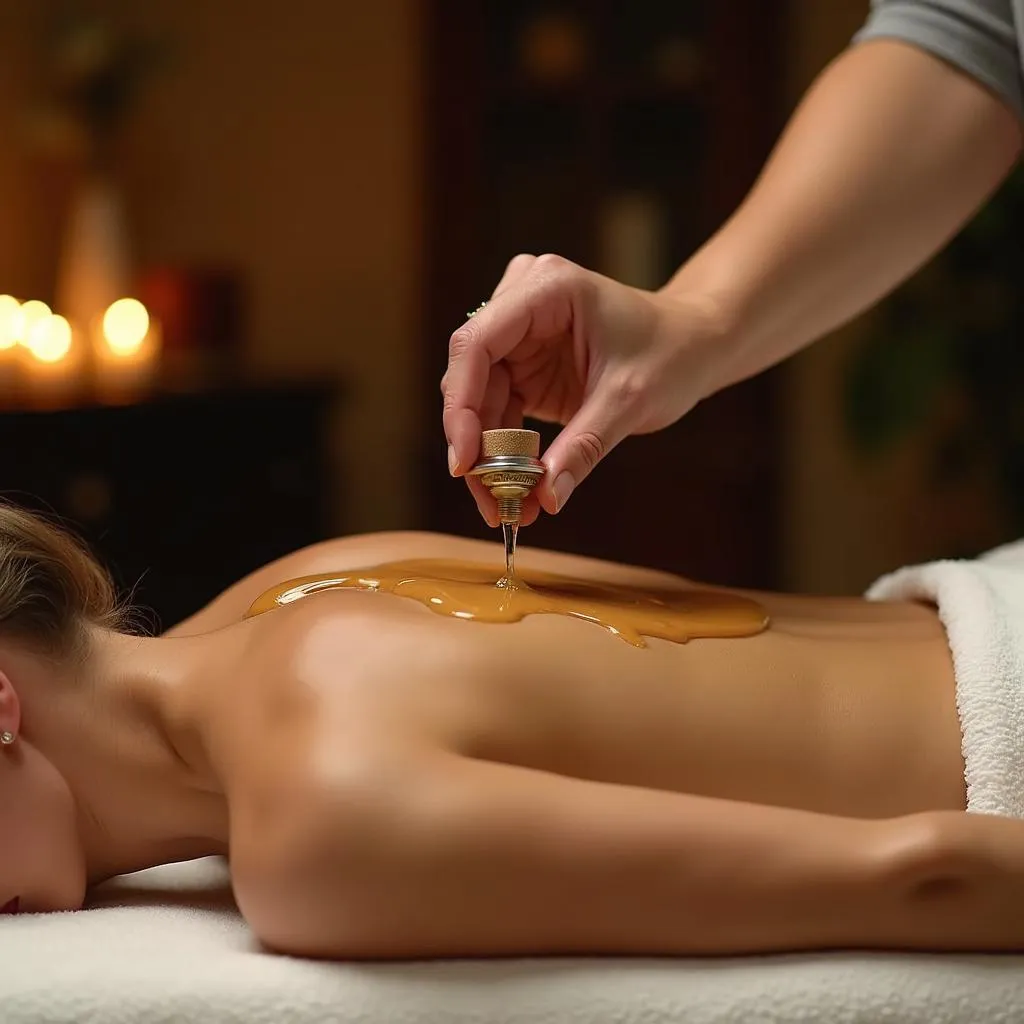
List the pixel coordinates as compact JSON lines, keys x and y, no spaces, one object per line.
{"x":560,"y":343}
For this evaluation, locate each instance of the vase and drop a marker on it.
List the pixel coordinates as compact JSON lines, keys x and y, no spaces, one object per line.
{"x":94,"y":267}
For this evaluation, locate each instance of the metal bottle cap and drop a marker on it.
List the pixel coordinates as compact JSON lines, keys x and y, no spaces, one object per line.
{"x":509,"y":468}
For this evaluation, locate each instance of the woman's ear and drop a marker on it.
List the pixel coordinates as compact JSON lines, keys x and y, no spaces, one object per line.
{"x":10,"y":707}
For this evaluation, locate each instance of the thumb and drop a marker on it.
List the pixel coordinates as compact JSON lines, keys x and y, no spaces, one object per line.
{"x":604,"y":419}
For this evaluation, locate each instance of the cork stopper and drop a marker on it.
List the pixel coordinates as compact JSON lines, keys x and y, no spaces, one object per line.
{"x":509,"y":468}
{"x":525,"y":443}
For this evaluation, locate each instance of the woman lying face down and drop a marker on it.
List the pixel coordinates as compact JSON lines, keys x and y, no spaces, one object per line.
{"x":84,"y":706}
{"x":392,"y":782}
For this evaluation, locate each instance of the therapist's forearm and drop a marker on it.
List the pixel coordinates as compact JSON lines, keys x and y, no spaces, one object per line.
{"x":889,"y":155}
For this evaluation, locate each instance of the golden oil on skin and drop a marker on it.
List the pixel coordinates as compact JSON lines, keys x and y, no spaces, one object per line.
{"x":467,"y":590}
{"x":510,"y":469}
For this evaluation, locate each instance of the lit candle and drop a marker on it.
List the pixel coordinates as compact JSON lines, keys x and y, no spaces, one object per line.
{"x":126,"y":347}
{"x":10,"y":324}
{"x":54,"y":362}
{"x":26,"y":318}
{"x":10,"y":318}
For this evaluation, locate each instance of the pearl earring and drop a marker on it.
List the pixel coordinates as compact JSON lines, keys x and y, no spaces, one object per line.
{"x":6,"y":737}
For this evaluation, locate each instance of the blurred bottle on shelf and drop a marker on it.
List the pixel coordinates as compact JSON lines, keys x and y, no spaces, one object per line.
{"x":202,"y":313}
{"x":633,"y":237}
{"x":554,"y":48}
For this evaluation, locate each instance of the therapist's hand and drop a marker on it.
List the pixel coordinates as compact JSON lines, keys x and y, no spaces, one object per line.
{"x":560,"y":343}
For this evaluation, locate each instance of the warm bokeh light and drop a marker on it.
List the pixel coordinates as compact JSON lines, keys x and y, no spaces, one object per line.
{"x":49,"y":340}
{"x":10,"y":309}
{"x":27,"y":317}
{"x":125,"y":325}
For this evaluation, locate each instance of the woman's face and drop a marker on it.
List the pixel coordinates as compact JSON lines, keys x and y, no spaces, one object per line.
{"x":42,"y":864}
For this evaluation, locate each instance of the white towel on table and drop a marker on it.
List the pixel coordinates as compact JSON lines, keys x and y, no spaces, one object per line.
{"x":981,"y":605}
{"x":167,"y":947}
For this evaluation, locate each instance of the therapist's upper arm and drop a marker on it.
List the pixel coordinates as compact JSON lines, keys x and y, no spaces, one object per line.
{"x":980,"y":37}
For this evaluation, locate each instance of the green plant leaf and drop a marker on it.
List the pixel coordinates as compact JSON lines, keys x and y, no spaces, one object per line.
{"x":955,"y":328}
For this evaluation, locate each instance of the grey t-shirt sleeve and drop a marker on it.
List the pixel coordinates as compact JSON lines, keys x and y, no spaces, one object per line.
{"x":978,"y":36}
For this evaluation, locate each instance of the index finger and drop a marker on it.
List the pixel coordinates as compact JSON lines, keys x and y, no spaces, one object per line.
{"x":474,"y":348}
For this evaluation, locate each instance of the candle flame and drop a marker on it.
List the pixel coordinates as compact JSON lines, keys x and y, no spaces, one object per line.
{"x":125,"y":326}
{"x":49,"y":340}
{"x":27,"y":317}
{"x":10,"y":314}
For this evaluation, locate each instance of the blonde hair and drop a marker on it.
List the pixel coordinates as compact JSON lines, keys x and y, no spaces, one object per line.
{"x":51,"y":587}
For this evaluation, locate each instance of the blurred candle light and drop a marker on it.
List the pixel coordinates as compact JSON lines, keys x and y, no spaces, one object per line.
{"x":55,"y":362}
{"x":49,"y":339}
{"x":125,"y":326}
{"x":30,"y":313}
{"x":126,"y":347}
{"x":10,"y":324}
{"x":10,"y":317}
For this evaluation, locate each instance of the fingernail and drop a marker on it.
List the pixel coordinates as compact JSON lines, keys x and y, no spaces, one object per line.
{"x":453,"y":462}
{"x":562,"y":489}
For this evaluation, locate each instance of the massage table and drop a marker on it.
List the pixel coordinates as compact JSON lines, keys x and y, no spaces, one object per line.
{"x":168,"y":945}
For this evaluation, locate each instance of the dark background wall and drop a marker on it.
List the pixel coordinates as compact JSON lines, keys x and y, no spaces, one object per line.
{"x":342,"y":160}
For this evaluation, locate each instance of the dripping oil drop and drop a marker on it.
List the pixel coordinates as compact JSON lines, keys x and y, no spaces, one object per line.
{"x":510,"y":534}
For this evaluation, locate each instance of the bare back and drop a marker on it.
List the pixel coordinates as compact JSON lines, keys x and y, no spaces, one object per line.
{"x":840,"y":706}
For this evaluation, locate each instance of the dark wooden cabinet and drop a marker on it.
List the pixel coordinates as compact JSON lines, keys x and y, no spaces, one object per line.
{"x":546,"y":119}
{"x":181,"y":496}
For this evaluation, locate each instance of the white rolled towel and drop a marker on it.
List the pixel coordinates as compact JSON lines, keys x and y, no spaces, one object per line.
{"x":981,"y":605}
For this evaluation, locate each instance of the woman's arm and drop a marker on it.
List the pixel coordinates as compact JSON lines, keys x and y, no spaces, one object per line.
{"x":889,"y":154}
{"x":481,"y":859}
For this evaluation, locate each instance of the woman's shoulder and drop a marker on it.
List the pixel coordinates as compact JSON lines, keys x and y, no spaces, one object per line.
{"x":335,"y":555}
{"x":312,"y":675}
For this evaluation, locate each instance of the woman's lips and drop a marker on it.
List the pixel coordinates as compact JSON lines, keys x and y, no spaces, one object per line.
{"x":10,"y":907}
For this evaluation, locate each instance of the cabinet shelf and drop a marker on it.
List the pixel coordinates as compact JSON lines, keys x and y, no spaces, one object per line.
{"x":590,"y":92}
{"x":254,"y":465}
